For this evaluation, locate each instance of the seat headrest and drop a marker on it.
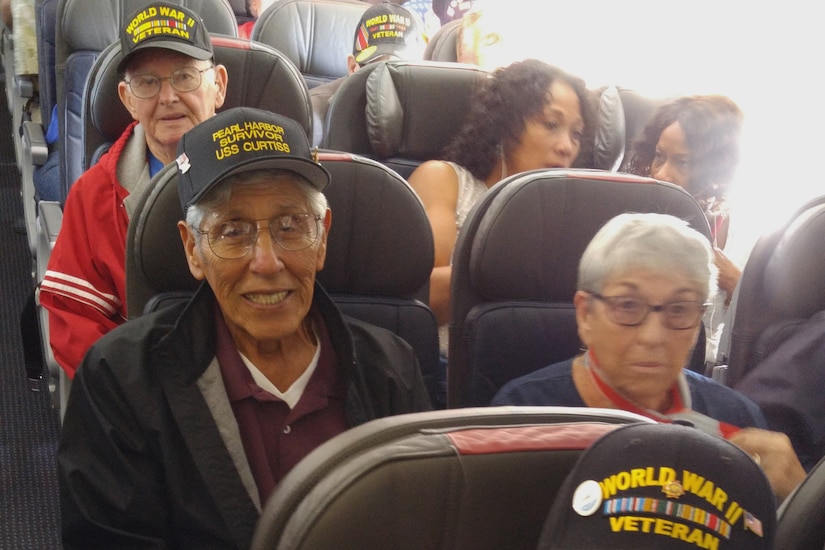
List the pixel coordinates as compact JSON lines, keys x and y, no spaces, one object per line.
{"x":567,"y":208}
{"x":94,"y":24}
{"x":442,"y":45}
{"x":610,"y":141}
{"x":414,"y":108}
{"x":316,"y":35}
{"x":380,"y":241}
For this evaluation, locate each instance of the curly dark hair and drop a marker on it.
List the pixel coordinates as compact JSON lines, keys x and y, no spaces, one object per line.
{"x":712,"y":125}
{"x":500,"y":109}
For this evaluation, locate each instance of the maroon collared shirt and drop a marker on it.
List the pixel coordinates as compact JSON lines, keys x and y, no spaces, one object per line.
{"x":274,"y":437}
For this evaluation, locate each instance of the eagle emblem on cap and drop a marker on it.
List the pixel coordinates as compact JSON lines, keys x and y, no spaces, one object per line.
{"x":673,"y":489}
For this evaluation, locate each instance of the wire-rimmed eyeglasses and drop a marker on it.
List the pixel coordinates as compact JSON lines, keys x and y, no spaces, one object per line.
{"x":632,"y":311}
{"x":234,"y":239}
{"x":147,"y":85}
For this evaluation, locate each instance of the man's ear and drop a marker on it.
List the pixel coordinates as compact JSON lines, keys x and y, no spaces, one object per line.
{"x":126,"y":98}
{"x":322,"y":248}
{"x":190,"y":241}
{"x":352,"y":66}
{"x":221,"y":81}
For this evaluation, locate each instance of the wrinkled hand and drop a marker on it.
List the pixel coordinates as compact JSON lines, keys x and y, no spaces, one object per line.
{"x":729,"y":273}
{"x":776,"y":456}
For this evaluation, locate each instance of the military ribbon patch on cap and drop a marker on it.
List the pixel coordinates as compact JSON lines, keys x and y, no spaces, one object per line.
{"x":156,"y":20}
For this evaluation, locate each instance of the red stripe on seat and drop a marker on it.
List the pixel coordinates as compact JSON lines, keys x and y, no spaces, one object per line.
{"x":544,"y":437}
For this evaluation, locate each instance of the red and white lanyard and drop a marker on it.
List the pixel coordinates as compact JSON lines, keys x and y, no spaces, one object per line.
{"x":680,"y":409}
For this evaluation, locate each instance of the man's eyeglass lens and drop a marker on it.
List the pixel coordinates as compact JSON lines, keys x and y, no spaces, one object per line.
{"x":234,"y":239}
{"x":187,"y":79}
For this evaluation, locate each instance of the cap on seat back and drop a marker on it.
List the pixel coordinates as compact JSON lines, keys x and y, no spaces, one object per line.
{"x":239,"y":140}
{"x":662,"y":486}
{"x":166,"y":26}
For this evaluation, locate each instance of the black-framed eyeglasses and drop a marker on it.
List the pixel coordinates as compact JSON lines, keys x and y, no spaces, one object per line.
{"x":632,"y":311}
{"x":186,"y":79}
{"x":234,"y":239}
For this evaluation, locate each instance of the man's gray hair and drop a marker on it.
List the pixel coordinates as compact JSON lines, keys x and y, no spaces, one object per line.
{"x":222,"y":192}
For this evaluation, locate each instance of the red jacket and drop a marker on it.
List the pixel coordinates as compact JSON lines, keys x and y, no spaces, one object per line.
{"x":84,"y":288}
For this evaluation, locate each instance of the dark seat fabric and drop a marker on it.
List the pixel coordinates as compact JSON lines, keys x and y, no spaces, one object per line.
{"x":442,"y":45}
{"x":515,"y":267}
{"x":781,"y":287}
{"x":46,"y":13}
{"x":801,"y":517}
{"x":411,"y":110}
{"x":316,"y":35}
{"x":638,"y":108}
{"x":458,"y":479}
{"x":259,"y":76}
{"x":776,"y":354}
{"x":379,"y":252}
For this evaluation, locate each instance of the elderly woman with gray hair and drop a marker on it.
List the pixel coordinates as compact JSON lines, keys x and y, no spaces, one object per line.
{"x":644,"y":283}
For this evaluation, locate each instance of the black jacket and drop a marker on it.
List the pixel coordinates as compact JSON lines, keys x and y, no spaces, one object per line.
{"x":144,"y":458}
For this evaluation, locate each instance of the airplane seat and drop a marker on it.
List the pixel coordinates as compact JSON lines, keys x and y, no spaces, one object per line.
{"x":442,"y":45}
{"x":459,"y":479}
{"x":608,"y":140}
{"x":317,"y":35}
{"x":241,"y":11}
{"x":638,"y":108}
{"x":36,"y":150}
{"x":46,"y":13}
{"x":17,"y":52}
{"x":515,"y":267}
{"x":781,"y":287}
{"x":379,"y":253}
{"x":411,"y":111}
{"x":800,"y":523}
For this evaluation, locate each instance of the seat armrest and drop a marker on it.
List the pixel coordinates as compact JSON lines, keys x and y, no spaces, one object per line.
{"x":48,"y":226}
{"x":24,"y":85}
{"x":51,"y":218}
{"x":34,"y":142}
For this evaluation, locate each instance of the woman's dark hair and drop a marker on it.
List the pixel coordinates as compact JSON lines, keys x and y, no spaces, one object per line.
{"x":712,"y":125}
{"x":500,"y":109}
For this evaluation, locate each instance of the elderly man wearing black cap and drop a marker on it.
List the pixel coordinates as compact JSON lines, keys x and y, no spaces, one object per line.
{"x":386,"y":31}
{"x":170,"y":84}
{"x":181,"y":423}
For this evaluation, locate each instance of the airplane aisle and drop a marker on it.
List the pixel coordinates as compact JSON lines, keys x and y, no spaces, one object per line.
{"x":29,"y":508}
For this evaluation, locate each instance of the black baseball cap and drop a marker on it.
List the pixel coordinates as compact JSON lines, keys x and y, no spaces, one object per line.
{"x":167,"y":26}
{"x":387,"y":29}
{"x":239,"y":140}
{"x":662,"y":486}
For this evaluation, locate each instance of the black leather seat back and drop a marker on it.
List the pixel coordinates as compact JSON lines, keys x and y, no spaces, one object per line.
{"x":316,"y":35}
{"x":411,"y":111}
{"x":782,"y":285}
{"x":515,"y":268}
{"x":801,"y":517}
{"x":442,"y":45}
{"x":459,"y":479}
{"x":379,"y":253}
